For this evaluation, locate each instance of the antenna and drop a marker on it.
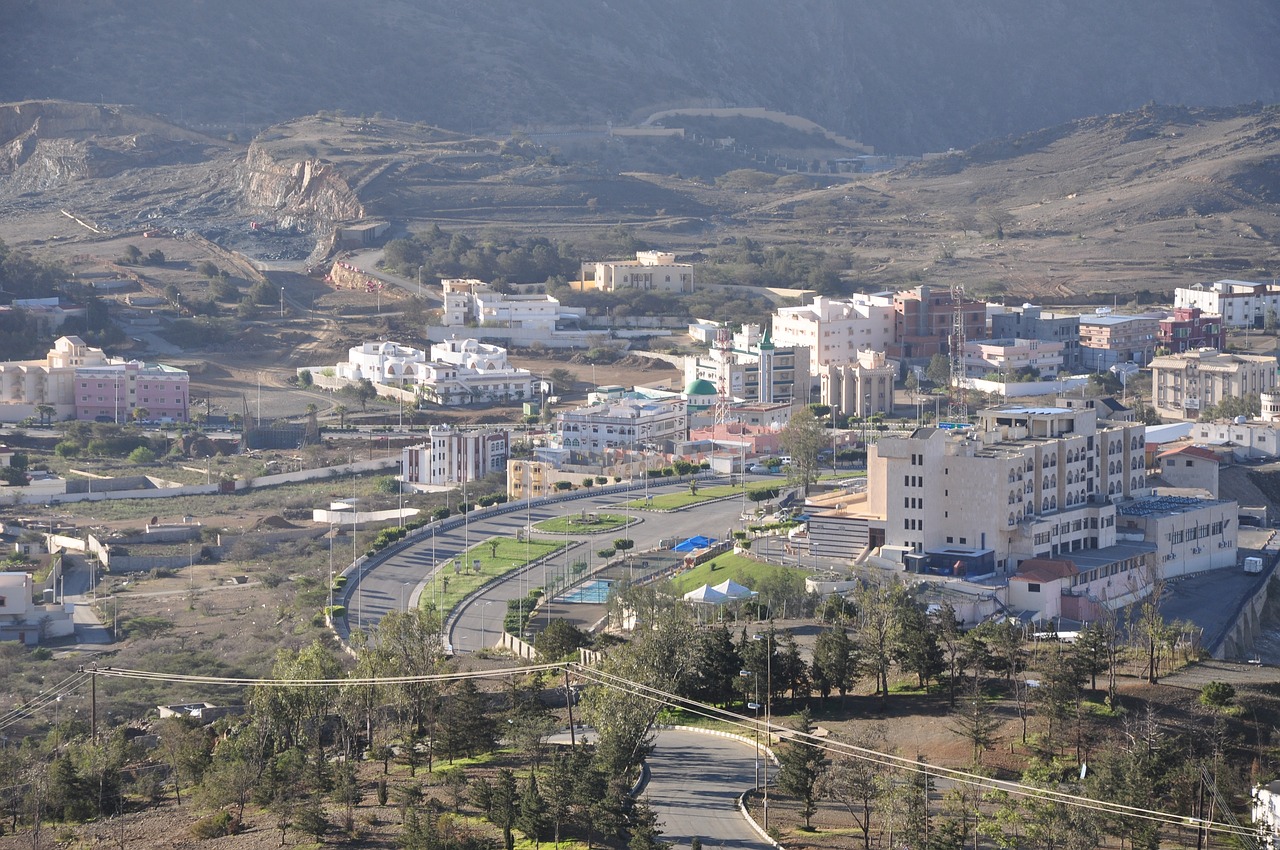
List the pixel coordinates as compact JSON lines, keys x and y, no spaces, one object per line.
{"x":724,"y":345}
{"x":958,"y":398}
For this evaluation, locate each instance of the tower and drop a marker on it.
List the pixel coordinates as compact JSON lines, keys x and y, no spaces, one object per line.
{"x":724,"y":346}
{"x":958,"y":397}
{"x":765,"y":350}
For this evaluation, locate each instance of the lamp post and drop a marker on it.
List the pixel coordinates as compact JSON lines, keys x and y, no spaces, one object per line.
{"x":484,"y":624}
{"x":331,"y":566}
{"x":768,"y":712}
{"x":191,"y":566}
{"x":404,"y":608}
{"x":756,"y":705}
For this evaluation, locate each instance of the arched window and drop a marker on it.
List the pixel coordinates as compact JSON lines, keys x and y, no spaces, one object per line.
{"x":1044,"y":506}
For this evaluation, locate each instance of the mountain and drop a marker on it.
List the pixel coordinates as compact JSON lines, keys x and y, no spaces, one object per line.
{"x":907,"y":76}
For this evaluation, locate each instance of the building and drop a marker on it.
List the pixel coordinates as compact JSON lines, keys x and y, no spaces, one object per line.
{"x":48,"y":314}
{"x":752,"y":368}
{"x":862,"y":388}
{"x":651,"y":270}
{"x":118,"y":392}
{"x":1185,"y":384}
{"x":1108,"y":339}
{"x":1190,"y":467}
{"x":455,"y":371}
{"x":26,"y":384}
{"x":835,"y":330}
{"x":1025,"y":482}
{"x":1240,"y":303}
{"x":1008,"y":357}
{"x":924,"y":318}
{"x":452,"y":456}
{"x":475,"y":303}
{"x":530,"y":479}
{"x":1245,"y":440}
{"x":624,"y":425}
{"x":1031,"y":322}
{"x":1190,"y":535}
{"x":1190,"y":328}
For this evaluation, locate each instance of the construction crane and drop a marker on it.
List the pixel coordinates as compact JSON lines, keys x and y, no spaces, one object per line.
{"x":958,"y":397}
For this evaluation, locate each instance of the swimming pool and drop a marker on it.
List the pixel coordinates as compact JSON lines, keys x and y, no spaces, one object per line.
{"x":596,"y":590}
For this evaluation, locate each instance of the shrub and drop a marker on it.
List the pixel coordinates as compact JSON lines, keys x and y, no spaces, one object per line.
{"x":588,"y":481}
{"x":1218,"y":694}
{"x":216,"y":825}
{"x":562,"y":485}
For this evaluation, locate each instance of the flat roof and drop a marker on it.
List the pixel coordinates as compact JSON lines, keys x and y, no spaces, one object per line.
{"x":1152,"y":505}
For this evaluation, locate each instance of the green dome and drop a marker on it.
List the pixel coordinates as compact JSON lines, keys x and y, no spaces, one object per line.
{"x":701,"y":387}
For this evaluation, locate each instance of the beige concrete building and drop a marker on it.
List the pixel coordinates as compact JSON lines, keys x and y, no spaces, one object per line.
{"x":1025,"y":482}
{"x":24,"y":384}
{"x":862,"y":388}
{"x":754,"y":369}
{"x":652,"y":270}
{"x":835,"y":330}
{"x":1190,"y":467}
{"x":1185,"y":384}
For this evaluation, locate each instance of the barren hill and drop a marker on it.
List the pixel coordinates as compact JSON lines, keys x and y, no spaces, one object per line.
{"x":907,"y":76}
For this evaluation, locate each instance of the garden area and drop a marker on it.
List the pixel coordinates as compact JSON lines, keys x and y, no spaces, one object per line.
{"x":583,"y":523}
{"x":675,"y":501}
{"x":480,"y":565}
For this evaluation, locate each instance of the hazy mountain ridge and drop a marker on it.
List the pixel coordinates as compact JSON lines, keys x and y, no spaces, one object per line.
{"x":905,"y":77}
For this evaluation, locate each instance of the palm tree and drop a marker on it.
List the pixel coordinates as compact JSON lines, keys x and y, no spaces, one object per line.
{"x":140,"y":414}
{"x":341,"y":410}
{"x":47,"y":412}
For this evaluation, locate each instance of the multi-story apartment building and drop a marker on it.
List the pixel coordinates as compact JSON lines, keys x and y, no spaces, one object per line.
{"x":1024,"y":482}
{"x":1190,"y":328}
{"x":924,"y":318}
{"x":1185,"y":384}
{"x":1009,"y":356}
{"x":24,"y":384}
{"x":452,"y":456}
{"x":627,"y":424}
{"x":862,"y":388}
{"x":652,"y":270}
{"x":752,"y":368}
{"x":835,"y":330}
{"x":1031,"y":322}
{"x":1240,"y":303}
{"x":1107,"y":339}
{"x":118,"y":392}
{"x":477,"y":303}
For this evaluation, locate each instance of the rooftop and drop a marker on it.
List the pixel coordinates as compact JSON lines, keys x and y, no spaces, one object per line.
{"x":1152,"y":505}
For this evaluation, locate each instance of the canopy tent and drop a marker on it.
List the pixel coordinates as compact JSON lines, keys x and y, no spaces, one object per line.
{"x":697,"y":542}
{"x":732,"y":590}
{"x":706,"y":594}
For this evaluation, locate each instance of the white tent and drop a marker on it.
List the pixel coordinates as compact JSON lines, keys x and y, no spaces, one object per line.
{"x":732,"y":590}
{"x":706,"y":594}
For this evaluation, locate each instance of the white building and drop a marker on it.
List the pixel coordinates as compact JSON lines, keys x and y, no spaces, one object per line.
{"x":456,"y":371}
{"x":653,"y":270}
{"x":452,"y":456}
{"x":1246,"y":439}
{"x":628,"y":424}
{"x":1240,"y":303}
{"x":473,"y":302}
{"x":835,"y":330}
{"x":752,"y":368}
{"x":861,"y":388}
{"x":1009,"y":356}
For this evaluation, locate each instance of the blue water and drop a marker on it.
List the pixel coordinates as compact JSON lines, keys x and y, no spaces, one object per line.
{"x":596,"y":590}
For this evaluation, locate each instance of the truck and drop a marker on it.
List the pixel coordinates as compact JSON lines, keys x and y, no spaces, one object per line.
{"x":1252,"y":566}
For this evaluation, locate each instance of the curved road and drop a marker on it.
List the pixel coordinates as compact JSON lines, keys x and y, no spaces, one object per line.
{"x":699,"y":801}
{"x":393,"y":583}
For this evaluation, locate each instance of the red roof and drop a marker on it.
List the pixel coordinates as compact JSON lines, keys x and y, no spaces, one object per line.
{"x":1192,"y":451}
{"x":1045,"y":569}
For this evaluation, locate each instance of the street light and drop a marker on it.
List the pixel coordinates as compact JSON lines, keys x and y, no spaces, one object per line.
{"x":484,"y":624}
{"x":756,"y":705}
{"x":768,"y":712}
{"x":404,"y":608}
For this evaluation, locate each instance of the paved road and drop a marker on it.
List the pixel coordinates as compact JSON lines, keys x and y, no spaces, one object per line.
{"x":393,"y":583}
{"x":700,"y":801}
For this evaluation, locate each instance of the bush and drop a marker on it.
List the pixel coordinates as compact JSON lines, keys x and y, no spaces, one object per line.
{"x":1218,"y":694}
{"x":562,"y":485}
{"x":216,"y":825}
{"x":67,"y":448}
{"x":142,"y":455}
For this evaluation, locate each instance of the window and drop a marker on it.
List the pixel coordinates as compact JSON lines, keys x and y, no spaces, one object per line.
{"x":1033,"y":587}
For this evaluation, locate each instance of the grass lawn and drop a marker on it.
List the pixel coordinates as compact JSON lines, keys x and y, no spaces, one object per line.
{"x":737,"y":567}
{"x":577,"y":525}
{"x":448,"y":588}
{"x":671,"y":501}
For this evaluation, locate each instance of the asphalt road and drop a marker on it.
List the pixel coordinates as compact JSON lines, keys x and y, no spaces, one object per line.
{"x":694,"y":781}
{"x":393,"y":583}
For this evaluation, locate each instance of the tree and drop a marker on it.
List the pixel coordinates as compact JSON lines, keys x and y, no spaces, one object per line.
{"x":877,"y":630}
{"x":559,"y":639}
{"x":342,"y":411}
{"x":918,"y":650}
{"x":939,"y":370}
{"x":561,"y":380}
{"x":644,"y":830}
{"x":855,"y":782}
{"x":974,"y":722}
{"x":504,"y":806}
{"x":531,"y":819}
{"x":46,"y":413}
{"x":132,"y":254}
{"x":835,"y":663}
{"x":362,"y":391}
{"x":800,"y":765}
{"x":803,"y":438}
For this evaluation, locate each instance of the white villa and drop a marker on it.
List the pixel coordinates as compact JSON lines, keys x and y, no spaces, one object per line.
{"x":456,"y":371}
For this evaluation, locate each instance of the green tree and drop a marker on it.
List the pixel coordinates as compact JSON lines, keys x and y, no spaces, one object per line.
{"x":342,"y":411}
{"x":974,"y":721}
{"x":856,"y":783}
{"x":559,"y":639}
{"x":803,"y":438}
{"x":532,"y":818}
{"x":141,"y":456}
{"x":131,"y":256}
{"x":835,"y":662}
{"x":938,"y":372}
{"x":800,"y":766}
{"x":504,"y":806}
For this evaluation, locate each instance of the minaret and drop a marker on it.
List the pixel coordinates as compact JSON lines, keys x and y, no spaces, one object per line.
{"x":766,"y":369}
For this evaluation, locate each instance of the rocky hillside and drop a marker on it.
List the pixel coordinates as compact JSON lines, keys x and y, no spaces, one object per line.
{"x":907,"y":76}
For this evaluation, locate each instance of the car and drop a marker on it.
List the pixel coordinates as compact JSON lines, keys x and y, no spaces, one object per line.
{"x":758,"y":469}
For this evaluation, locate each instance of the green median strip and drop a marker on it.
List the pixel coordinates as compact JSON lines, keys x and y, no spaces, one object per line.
{"x":458,"y":578}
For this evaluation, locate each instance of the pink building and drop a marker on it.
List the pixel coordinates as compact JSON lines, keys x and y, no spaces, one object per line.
{"x":111,"y":393}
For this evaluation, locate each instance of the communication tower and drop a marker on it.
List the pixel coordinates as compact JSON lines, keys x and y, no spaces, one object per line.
{"x":958,"y":397}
